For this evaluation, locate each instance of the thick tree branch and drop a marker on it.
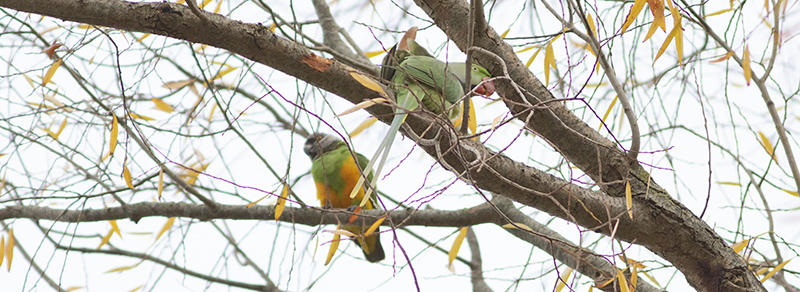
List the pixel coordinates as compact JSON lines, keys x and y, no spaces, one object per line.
{"x":662,"y":224}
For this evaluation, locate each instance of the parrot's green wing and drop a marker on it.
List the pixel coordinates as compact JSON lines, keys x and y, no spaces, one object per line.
{"x":418,"y":77}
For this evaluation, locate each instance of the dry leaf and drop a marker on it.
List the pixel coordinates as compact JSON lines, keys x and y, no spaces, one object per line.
{"x":456,"y":245}
{"x":746,"y":65}
{"x":166,"y":227}
{"x":161,"y":105}
{"x":777,"y":268}
{"x":767,"y":146}
{"x":629,"y":199}
{"x":115,"y":227}
{"x":363,"y":126}
{"x":362,"y":105}
{"x":112,"y":142}
{"x":518,"y":226}
{"x":175,"y":85}
{"x":374,"y":226}
{"x":281,"y":202}
{"x":106,"y":239}
{"x":160,"y":183}
{"x":739,"y":246}
{"x":563,"y":278}
{"x":51,"y":71}
{"x":367,"y":82}
{"x":333,"y":248}
{"x":723,"y":58}
{"x":634,"y":12}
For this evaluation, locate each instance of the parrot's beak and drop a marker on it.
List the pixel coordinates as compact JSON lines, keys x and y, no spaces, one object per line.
{"x":486,"y":88}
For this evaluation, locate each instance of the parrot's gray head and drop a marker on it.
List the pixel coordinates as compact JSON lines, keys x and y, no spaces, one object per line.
{"x":318,"y":144}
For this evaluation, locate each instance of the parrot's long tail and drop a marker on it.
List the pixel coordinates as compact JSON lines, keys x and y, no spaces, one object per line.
{"x":370,"y":245}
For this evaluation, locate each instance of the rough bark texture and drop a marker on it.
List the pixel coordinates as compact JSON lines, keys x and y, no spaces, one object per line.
{"x":661,"y":224}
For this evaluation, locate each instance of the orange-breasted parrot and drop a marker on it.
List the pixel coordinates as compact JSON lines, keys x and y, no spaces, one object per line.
{"x":335,"y":173}
{"x":417,"y":77}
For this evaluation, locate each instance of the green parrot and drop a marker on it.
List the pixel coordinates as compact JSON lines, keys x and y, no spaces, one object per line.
{"x":335,"y":173}
{"x":418,"y":77}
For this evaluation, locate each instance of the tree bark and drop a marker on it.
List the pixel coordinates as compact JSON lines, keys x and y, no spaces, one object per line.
{"x":661,"y":224}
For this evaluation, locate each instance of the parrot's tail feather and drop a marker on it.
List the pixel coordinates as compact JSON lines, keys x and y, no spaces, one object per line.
{"x":370,"y":245}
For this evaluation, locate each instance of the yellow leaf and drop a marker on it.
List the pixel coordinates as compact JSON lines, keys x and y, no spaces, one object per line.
{"x":530,"y":61}
{"x":106,"y":239}
{"x":635,"y":9}
{"x":658,"y":18}
{"x":651,"y":278}
{"x":136,"y":289}
{"x":767,"y":146}
{"x":334,"y":246}
{"x":793,"y":193}
{"x":739,"y":246}
{"x":375,"y":53}
{"x":219,"y":6}
{"x":590,"y":22}
{"x":10,"y":248}
{"x":211,"y":114}
{"x":374,"y":226}
{"x":605,"y":283}
{"x":777,"y":268}
{"x":746,"y":65}
{"x":729,"y":183}
{"x":473,"y":124}
{"x":122,"y":269}
{"x":666,"y":43}
{"x":363,"y":126}
{"x":718,"y":12}
{"x":723,"y":58}
{"x":88,"y":26}
{"x":362,"y":105}
{"x":201,"y":48}
{"x":163,"y":106}
{"x":166,"y":227}
{"x":30,"y":81}
{"x":608,"y":111}
{"x":140,"y":39}
{"x":112,"y":141}
{"x":529,"y":48}
{"x":496,"y":121}
{"x":272,"y":27}
{"x":160,"y":182}
{"x":115,"y":227}
{"x":140,"y":117}
{"x":456,"y":246}
{"x":281,"y":201}
{"x":505,"y":33}
{"x":549,"y":61}
{"x":205,"y":2}
{"x":629,"y":199}
{"x":56,"y":102}
{"x":563,"y":278}
{"x":175,"y":85}
{"x":518,"y":226}
{"x":634,"y":277}
{"x":126,"y":174}
{"x":73,"y":288}
{"x":623,"y":283}
{"x":223,"y":72}
{"x":341,"y":232}
{"x":2,"y":249}
{"x":678,"y":29}
{"x":256,"y":201}
{"x":367,"y":82}
{"x":51,"y":71}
